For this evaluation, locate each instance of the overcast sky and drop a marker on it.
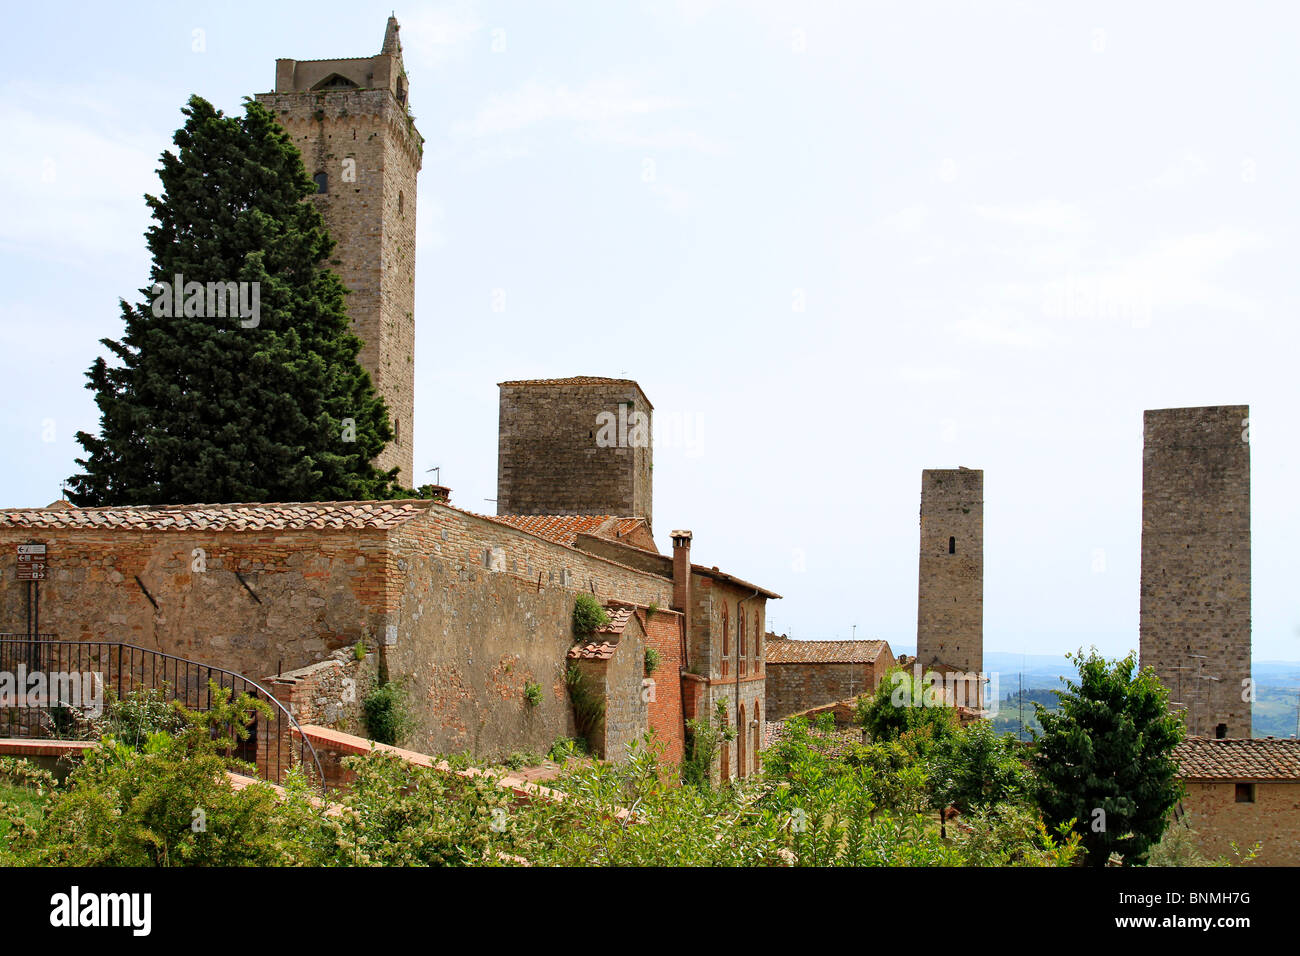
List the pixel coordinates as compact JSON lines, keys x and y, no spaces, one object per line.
{"x":835,"y":243}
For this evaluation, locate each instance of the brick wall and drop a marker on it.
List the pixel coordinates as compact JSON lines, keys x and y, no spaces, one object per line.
{"x":1195,"y":604}
{"x":1273,"y":820}
{"x":664,"y":633}
{"x":548,"y":460}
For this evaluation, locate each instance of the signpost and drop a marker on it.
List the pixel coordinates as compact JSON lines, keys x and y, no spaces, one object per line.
{"x":32,"y":562}
{"x":33,"y":566}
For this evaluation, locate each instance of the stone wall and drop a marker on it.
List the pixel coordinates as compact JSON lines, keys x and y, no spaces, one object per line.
{"x":1195,"y":604}
{"x":548,"y":459}
{"x":792,"y":688}
{"x":1273,"y":819}
{"x":950,"y":594}
{"x":303,"y":595}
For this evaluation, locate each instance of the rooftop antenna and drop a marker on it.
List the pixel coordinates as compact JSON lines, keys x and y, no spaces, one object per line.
{"x":437,"y":478}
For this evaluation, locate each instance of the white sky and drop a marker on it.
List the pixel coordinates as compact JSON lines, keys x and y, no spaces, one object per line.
{"x":1011,"y":228}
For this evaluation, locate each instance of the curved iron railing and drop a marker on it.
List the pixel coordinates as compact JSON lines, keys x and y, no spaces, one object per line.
{"x":59,"y":683}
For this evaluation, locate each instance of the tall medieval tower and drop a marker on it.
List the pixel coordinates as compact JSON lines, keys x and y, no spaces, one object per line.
{"x":1195,"y":611}
{"x":350,"y":120}
{"x":950,"y":604}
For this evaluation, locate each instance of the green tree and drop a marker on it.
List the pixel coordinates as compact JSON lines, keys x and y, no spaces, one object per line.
{"x":267,"y":404}
{"x":977,"y":769}
{"x":902,"y":705}
{"x":1105,"y":759}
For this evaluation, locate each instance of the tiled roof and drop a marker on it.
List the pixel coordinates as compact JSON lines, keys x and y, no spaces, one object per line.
{"x":243,"y":516}
{"x":1260,"y":758}
{"x":573,"y":380}
{"x":593,"y":652}
{"x":823,"y":652}
{"x":564,"y":529}
{"x":619,"y":615}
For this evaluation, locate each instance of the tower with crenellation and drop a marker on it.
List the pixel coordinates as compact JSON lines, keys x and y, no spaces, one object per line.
{"x":350,"y":119}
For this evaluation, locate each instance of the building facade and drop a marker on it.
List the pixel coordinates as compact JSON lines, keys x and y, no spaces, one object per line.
{"x":802,"y":675}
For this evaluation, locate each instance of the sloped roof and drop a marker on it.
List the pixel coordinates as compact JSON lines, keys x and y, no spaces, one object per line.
{"x":785,"y":651}
{"x":240,"y":516}
{"x":619,"y":615}
{"x":564,"y":529}
{"x":1260,"y":758}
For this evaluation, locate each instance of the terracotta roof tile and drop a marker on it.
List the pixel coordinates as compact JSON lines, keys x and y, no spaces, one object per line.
{"x":781,"y":651}
{"x":564,"y":529}
{"x":593,"y":652}
{"x":242,"y":516}
{"x":1260,"y":758}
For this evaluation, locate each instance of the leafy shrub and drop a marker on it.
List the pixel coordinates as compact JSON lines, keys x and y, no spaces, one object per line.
{"x":588,"y":615}
{"x":704,"y":737}
{"x":651,"y":661}
{"x":532,"y":693}
{"x":387,"y":717}
{"x":566,"y":747}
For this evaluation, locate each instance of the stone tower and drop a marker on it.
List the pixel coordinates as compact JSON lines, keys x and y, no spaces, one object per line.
{"x":350,"y":120}
{"x":573,"y":446}
{"x":1195,"y":612}
{"x":950,"y":604}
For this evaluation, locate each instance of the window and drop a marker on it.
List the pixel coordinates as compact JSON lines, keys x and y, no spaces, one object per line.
{"x":1220,"y":731}
{"x":401,"y":202}
{"x":744,"y":654}
{"x":1245,"y":793}
{"x":397,"y":431}
{"x":726,"y":642}
{"x":322,"y":182}
{"x":758,"y":733}
{"x":952,"y":545}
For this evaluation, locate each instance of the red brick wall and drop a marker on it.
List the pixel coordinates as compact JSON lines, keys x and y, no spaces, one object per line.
{"x":664,"y":633}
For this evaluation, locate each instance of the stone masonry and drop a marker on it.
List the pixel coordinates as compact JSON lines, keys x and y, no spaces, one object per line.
{"x":350,"y":120}
{"x":1195,"y":605}
{"x":950,"y":604}
{"x":550,"y":460}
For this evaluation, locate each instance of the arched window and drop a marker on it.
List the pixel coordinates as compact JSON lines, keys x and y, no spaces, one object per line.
{"x":758,"y":733}
{"x":952,"y":545}
{"x":744,"y":654}
{"x":322,"y":182}
{"x":401,"y":202}
{"x":724,"y":765}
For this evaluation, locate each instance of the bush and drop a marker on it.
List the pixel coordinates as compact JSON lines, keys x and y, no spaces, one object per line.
{"x":588,"y":705}
{"x":651,"y":661}
{"x":588,"y":615}
{"x":387,"y":718}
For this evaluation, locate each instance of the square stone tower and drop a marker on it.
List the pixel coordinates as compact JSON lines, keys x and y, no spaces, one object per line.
{"x":350,"y":120}
{"x":578,"y":446}
{"x":950,"y":605}
{"x":1195,"y":611}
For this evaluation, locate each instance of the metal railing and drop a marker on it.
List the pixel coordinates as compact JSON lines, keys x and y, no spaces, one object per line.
{"x":57,"y":685}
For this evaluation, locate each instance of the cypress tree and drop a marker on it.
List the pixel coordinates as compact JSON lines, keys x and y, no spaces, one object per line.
{"x":266,"y":404}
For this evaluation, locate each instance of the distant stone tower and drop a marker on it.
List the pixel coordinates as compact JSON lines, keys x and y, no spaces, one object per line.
{"x":350,"y":120}
{"x":1195,"y":612}
{"x":572,"y":446}
{"x":950,"y":604}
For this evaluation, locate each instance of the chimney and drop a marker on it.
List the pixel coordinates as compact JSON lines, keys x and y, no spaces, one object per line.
{"x":682,"y":574}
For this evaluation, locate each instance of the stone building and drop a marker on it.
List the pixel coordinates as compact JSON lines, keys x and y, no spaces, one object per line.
{"x":1195,"y":602}
{"x":804,"y":675}
{"x":950,"y":602}
{"x":580,"y":446}
{"x":351,"y":120}
{"x":1242,"y":791}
